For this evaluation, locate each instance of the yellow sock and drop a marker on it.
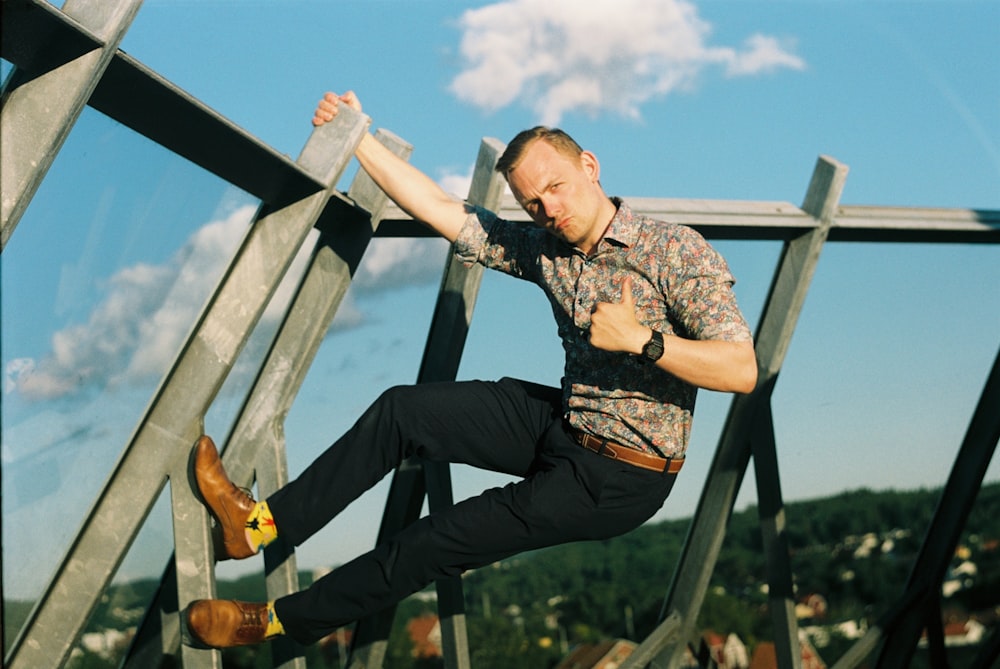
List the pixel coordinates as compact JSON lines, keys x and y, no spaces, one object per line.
{"x":274,"y":627}
{"x":260,"y":527}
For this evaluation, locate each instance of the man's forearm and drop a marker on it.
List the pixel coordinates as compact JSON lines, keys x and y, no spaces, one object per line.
{"x":415,"y":193}
{"x":725,"y":366}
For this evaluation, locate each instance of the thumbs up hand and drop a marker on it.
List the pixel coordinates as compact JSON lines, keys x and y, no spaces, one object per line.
{"x":614,"y":327}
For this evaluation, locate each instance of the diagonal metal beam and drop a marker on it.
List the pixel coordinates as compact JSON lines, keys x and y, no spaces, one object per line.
{"x":954,"y":505}
{"x":41,"y":104}
{"x":708,"y":527}
{"x":258,"y":441}
{"x":161,"y":444}
{"x":771,"y":509}
{"x":442,"y":355}
{"x":191,"y":129}
{"x":256,"y":445}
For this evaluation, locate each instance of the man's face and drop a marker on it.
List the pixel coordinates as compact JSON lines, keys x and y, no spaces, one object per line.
{"x":561,"y":193}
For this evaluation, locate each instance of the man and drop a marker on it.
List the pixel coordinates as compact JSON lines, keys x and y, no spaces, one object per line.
{"x":646,"y":313}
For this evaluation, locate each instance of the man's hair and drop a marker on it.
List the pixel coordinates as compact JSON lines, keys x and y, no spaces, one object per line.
{"x":558,"y":139}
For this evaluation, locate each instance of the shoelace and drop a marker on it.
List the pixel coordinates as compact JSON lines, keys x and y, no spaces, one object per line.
{"x":254,"y":622}
{"x":247,"y":494}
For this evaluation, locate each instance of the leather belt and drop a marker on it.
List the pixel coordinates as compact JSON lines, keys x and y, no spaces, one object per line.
{"x":610,"y":449}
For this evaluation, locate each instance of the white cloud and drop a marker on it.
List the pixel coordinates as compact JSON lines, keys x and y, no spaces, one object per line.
{"x":763,"y":54}
{"x":134,"y":333}
{"x":455,"y":184}
{"x":558,"y":56}
{"x":398,"y":261}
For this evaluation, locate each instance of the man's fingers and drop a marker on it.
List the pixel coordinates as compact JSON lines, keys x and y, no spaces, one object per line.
{"x":328,"y":106}
{"x":351,"y":100}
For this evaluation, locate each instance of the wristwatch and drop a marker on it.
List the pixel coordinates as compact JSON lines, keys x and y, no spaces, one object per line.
{"x":653,"y":350}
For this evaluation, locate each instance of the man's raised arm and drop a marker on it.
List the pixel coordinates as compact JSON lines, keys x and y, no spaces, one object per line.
{"x":415,"y":193}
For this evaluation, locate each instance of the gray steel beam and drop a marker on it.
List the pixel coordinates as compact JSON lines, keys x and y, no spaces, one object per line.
{"x":867,"y":644}
{"x":957,"y":499}
{"x":442,"y":355}
{"x":781,"y":221}
{"x":37,"y":37}
{"x":41,"y":104}
{"x":196,"y":132}
{"x":771,"y":509}
{"x":257,"y":444}
{"x":162,"y":441}
{"x":345,"y":230}
{"x":266,"y":257}
{"x":781,"y":311}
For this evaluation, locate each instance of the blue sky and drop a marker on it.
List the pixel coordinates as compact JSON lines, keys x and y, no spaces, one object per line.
{"x":719,"y":100}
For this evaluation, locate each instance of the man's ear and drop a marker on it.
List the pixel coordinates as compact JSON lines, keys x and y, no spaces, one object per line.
{"x":591,"y":166}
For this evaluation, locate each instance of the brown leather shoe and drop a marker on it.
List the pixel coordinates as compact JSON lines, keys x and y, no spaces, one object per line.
{"x":221,"y":623}
{"x":231,"y":506}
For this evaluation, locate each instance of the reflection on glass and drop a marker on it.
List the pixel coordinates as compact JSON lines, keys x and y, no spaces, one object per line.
{"x":120,"y":611}
{"x":101,"y":282}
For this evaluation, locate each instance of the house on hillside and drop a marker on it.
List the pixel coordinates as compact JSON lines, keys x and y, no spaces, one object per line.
{"x":765,"y":656}
{"x":335,"y":646}
{"x":811,"y":607}
{"x":723,"y":652}
{"x":960,"y":577}
{"x":960,"y":633}
{"x":604,"y":655}
{"x":425,"y":634}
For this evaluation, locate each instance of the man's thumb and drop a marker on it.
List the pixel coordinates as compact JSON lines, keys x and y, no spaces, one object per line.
{"x":627,"y":297}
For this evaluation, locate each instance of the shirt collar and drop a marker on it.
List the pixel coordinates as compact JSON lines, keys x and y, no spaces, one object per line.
{"x":624,"y":226}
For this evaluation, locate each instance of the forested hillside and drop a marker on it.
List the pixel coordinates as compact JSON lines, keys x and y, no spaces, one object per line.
{"x":853,"y":550}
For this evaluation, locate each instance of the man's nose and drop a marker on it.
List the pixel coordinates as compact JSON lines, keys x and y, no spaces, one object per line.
{"x":550,"y":207}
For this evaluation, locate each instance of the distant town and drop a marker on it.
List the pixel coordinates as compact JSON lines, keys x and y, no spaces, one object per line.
{"x":587,"y":605}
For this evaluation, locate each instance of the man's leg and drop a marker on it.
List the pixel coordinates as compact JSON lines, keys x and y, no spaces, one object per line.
{"x":495,"y":426}
{"x":574,"y":495}
{"x":489,"y":425}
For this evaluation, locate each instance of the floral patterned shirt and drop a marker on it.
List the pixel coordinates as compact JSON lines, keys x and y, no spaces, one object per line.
{"x":682,"y":287}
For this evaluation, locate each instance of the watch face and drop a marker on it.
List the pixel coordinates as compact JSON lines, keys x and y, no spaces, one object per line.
{"x":653,"y":349}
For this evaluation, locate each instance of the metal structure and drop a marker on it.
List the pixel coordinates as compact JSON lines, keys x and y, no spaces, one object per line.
{"x":74,"y":51}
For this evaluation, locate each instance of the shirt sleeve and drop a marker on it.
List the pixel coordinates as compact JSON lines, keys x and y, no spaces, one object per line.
{"x":472,"y":237}
{"x":499,"y":244}
{"x":701,"y":294}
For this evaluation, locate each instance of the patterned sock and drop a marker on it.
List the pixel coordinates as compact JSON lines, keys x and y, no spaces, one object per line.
{"x":260,"y":527}
{"x":274,"y":627}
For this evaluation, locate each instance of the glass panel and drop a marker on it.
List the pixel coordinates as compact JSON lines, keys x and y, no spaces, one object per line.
{"x":101,"y":283}
{"x":113,"y":625}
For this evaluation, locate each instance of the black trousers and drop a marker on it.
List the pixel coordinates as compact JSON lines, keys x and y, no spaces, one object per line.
{"x":566,"y":493}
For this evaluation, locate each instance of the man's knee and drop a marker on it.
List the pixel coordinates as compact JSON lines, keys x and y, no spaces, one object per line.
{"x":423,"y":552}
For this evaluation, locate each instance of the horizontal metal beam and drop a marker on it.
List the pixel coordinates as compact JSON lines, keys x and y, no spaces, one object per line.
{"x":34,"y":32}
{"x":40,"y":105}
{"x":36,"y":36}
{"x":778,"y":221}
{"x":185,"y":125}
